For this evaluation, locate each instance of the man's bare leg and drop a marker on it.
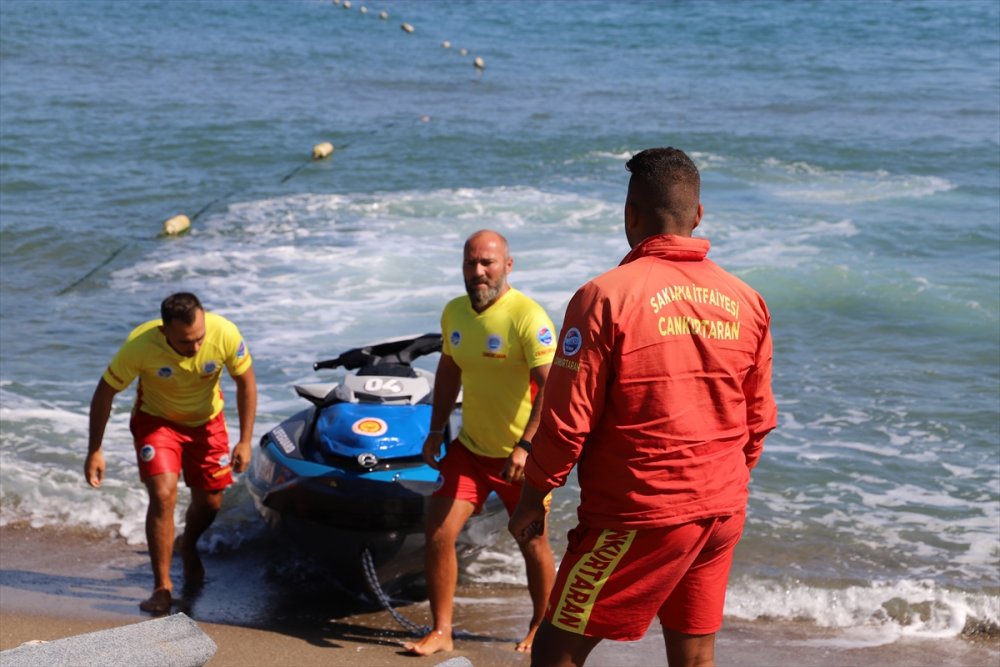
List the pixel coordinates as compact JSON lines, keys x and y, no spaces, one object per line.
{"x":199,"y":516}
{"x":162,"y":490}
{"x":685,"y":650}
{"x":541,"y":568}
{"x":445,"y":519}
{"x":554,"y":647}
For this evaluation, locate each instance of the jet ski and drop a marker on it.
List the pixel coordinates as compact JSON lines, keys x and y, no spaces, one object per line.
{"x":345,"y":476}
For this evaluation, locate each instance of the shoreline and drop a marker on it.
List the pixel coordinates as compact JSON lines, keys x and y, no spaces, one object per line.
{"x":60,"y":583}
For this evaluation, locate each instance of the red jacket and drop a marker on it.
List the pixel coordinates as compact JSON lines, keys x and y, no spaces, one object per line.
{"x":660,"y":390}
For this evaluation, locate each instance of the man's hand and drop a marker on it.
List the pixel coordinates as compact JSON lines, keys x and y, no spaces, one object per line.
{"x":513,"y":470}
{"x":93,"y":468}
{"x":432,"y":446}
{"x":241,"y":456}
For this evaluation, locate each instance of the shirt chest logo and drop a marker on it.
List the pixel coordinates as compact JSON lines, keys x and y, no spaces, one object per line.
{"x":165,"y":372}
{"x":493,"y":344}
{"x":455,"y":338}
{"x":210,"y":367}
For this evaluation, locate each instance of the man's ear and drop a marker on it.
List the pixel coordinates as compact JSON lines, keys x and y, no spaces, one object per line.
{"x":697,"y":220}
{"x":631,"y":218}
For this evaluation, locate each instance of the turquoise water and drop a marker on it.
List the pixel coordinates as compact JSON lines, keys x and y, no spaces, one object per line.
{"x":850,"y":155}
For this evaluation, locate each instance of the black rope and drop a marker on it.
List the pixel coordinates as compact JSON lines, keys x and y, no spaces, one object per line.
{"x":192,"y":218}
{"x":296,"y":170}
{"x":94,"y":270}
{"x":212,"y":203}
{"x":376,"y":589}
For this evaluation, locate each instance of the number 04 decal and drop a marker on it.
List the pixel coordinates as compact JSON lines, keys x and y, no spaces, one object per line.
{"x":389,"y":386}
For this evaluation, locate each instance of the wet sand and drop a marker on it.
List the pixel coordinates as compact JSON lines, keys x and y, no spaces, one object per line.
{"x":262,"y":611}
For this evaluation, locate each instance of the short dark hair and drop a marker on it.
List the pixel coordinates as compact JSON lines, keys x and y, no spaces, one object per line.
{"x":669,"y":181}
{"x":180,"y":306}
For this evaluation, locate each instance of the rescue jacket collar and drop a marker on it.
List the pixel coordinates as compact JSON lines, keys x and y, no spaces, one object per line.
{"x":670,"y":247}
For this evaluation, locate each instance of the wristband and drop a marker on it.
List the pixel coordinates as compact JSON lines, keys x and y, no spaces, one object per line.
{"x":524,"y":444}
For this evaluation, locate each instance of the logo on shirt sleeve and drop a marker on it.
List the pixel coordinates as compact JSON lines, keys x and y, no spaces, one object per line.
{"x":455,"y":338}
{"x":572,"y":342}
{"x":241,"y":351}
{"x":545,"y":336}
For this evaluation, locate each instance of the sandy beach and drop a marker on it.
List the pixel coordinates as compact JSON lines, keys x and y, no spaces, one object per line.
{"x":57,"y":584}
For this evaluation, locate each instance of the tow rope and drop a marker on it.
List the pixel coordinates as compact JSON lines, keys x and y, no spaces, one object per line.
{"x":376,"y":589}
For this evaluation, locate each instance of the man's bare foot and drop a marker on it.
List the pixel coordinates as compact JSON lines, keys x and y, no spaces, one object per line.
{"x":524,"y":646}
{"x":158,"y":603}
{"x":432,"y":642}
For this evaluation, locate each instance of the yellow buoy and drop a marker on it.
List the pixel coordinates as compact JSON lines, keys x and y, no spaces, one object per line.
{"x":383,"y":15}
{"x":322,"y":150}
{"x":446,"y":44}
{"x":176,"y":225}
{"x":406,"y":27}
{"x":479,"y":63}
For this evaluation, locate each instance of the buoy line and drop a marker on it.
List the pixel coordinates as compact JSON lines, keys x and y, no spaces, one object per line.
{"x":180,"y":224}
{"x":478,"y":62}
{"x":92,"y":271}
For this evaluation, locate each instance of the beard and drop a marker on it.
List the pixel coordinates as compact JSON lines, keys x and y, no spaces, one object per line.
{"x":481,"y":298}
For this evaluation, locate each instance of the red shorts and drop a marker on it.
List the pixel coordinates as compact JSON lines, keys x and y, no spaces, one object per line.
{"x":611,"y":583}
{"x":201,"y":451}
{"x":471,"y":477}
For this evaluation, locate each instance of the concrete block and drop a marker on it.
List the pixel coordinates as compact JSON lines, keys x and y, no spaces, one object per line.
{"x":171,"y":641}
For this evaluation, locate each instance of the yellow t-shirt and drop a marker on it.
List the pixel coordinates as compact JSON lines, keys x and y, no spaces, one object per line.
{"x":182,"y":389}
{"x":496,"y":350}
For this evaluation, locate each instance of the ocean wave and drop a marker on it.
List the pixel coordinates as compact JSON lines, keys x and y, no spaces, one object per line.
{"x":805,"y":182}
{"x":886,"y":610}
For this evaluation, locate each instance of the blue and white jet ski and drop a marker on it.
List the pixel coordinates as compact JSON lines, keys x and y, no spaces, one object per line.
{"x":346,"y":474}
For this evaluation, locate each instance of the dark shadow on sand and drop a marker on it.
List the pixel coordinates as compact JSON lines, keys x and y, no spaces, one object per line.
{"x":272,"y":586}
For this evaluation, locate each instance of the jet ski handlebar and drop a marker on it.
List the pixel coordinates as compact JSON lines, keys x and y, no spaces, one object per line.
{"x":396,"y":351}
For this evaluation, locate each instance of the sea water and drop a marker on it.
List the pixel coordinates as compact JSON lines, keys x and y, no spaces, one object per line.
{"x":850,"y":156}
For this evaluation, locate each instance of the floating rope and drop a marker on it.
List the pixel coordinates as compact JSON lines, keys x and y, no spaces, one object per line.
{"x":180,"y":224}
{"x":94,"y":270}
{"x":479,"y":63}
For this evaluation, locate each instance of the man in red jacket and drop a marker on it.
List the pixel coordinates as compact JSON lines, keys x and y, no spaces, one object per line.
{"x":661,"y":392}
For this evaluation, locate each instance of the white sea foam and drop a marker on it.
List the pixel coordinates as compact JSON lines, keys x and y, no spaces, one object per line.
{"x":309,"y":275}
{"x":880,"y":612}
{"x":960,"y":472}
{"x":804,"y":182}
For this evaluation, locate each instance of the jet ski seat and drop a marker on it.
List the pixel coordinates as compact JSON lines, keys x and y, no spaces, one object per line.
{"x":391,"y":370}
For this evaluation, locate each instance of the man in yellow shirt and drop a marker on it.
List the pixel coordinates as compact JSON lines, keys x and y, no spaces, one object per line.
{"x":177,"y":424}
{"x":497,"y":343}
